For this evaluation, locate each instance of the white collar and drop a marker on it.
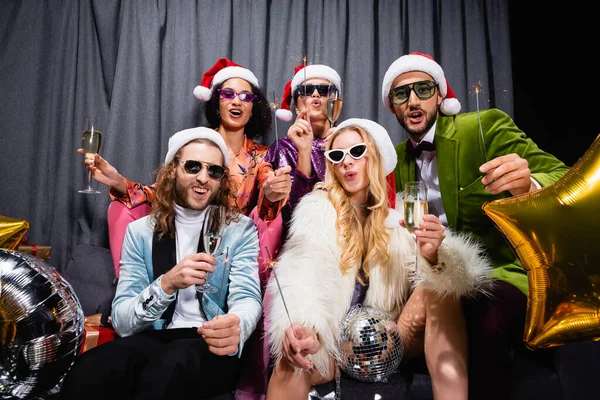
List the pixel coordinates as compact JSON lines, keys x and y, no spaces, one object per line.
{"x":429,"y":137}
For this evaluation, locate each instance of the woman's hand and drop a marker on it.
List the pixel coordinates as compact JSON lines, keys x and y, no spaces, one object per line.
{"x":105,"y":173}
{"x":430,"y":235}
{"x":278,"y":185}
{"x":301,"y":133}
{"x":298,"y":342}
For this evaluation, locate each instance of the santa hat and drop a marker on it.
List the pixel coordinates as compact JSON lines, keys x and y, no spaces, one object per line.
{"x":424,"y":63}
{"x":382,"y":140}
{"x":181,"y":138}
{"x":301,"y":74}
{"x":222,"y":70}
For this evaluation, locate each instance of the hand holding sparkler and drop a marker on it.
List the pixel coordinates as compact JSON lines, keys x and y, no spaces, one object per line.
{"x":514,"y":176}
{"x":298,"y":338}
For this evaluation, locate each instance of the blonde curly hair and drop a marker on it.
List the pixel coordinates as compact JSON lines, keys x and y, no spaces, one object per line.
{"x":366,"y":243}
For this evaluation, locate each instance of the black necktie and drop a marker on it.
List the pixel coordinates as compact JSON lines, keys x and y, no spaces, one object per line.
{"x":416,"y":151}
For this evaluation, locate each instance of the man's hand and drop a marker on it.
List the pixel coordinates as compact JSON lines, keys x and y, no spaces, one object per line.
{"x":298,"y":342}
{"x":222,"y":334}
{"x":278,"y":185}
{"x":191,"y":270}
{"x":105,"y":173}
{"x":507,"y":173}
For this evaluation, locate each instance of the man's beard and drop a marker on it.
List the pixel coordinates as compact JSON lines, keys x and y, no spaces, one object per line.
{"x":417,"y":133}
{"x":181,"y":198}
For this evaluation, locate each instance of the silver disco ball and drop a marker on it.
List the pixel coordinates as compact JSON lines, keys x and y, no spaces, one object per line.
{"x":41,"y":326}
{"x":371,"y":346}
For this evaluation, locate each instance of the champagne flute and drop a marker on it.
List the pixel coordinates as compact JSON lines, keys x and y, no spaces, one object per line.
{"x":415,"y":206}
{"x":334,"y":103}
{"x":211,"y":235}
{"x":91,"y":139}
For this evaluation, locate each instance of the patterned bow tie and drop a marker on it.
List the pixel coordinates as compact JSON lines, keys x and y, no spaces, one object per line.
{"x":416,"y":151}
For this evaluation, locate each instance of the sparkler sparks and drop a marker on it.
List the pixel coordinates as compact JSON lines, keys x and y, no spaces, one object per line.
{"x":304,"y":62}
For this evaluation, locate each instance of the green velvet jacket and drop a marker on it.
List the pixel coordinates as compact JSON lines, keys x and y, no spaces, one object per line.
{"x":460,"y":152}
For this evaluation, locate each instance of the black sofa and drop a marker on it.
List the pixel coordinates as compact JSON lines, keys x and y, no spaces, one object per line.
{"x":566,"y":372}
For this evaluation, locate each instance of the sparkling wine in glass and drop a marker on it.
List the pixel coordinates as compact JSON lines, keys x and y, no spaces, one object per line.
{"x":91,"y":140}
{"x":211,"y":234}
{"x":415,"y":207}
{"x":334,"y":103}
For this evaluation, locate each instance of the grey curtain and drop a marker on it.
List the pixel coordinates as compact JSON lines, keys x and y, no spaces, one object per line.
{"x":135,"y":63}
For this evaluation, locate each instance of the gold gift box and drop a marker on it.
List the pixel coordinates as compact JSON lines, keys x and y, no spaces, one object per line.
{"x":43,"y":252}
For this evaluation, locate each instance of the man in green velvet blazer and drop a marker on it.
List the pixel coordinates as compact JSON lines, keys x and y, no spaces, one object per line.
{"x":467,"y":160}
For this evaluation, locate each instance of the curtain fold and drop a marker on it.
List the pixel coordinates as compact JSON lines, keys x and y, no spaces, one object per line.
{"x":135,"y":64}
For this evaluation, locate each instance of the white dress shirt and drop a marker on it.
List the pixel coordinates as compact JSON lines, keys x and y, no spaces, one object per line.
{"x":427,"y":172}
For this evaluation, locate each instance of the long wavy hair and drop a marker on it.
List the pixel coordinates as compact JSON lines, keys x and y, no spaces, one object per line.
{"x":163,"y":209}
{"x":259,"y":124}
{"x":365,"y":244}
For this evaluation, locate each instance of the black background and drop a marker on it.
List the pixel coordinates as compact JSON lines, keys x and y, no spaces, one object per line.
{"x":556,"y":82}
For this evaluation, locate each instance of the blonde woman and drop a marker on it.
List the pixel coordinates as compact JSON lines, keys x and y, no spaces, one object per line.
{"x":347,"y":247}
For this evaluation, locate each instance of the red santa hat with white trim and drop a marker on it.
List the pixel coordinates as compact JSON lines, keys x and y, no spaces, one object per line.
{"x":222,"y":70}
{"x":425,"y":63}
{"x":301,"y":74}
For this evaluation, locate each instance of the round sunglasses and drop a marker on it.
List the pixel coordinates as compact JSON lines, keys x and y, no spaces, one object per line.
{"x":423,"y":89}
{"x":228,"y":94}
{"x":193,"y":167}
{"x":337,"y":155}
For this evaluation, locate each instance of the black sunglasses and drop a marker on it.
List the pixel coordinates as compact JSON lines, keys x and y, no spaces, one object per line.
{"x":309,"y":89}
{"x":229,"y":94}
{"x":337,"y":155}
{"x":193,"y":167}
{"x":423,"y":89}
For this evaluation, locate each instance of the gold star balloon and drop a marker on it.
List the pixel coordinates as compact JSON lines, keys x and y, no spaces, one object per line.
{"x":554,"y":232}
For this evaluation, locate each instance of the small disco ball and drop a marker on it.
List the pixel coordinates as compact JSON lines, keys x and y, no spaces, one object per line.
{"x":41,"y":327}
{"x":371,"y":346}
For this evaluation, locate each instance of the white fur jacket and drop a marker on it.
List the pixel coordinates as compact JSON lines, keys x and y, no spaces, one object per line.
{"x":319,"y":296}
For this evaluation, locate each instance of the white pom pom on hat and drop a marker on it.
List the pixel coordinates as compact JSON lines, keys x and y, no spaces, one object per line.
{"x":425,"y":63}
{"x":382,"y":140}
{"x":222,"y":70}
{"x":181,"y":138}
{"x":301,"y":74}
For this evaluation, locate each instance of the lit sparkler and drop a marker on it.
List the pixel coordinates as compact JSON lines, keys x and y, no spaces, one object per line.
{"x":304,"y":68}
{"x":223,"y":287}
{"x":271,"y":263}
{"x":274,"y":108}
{"x":477,"y":88}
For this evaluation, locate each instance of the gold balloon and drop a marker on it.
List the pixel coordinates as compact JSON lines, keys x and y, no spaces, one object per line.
{"x":554,"y":232}
{"x":11,"y":232}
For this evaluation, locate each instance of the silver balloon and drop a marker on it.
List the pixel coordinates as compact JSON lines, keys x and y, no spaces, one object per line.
{"x":41,"y":326}
{"x":371,"y":346}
